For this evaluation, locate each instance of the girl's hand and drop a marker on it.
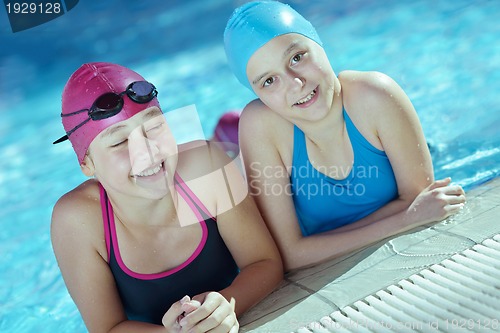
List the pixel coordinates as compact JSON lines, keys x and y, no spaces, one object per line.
{"x":436,"y":202}
{"x":188,"y":305}
{"x":214,"y":314}
{"x":178,"y":311}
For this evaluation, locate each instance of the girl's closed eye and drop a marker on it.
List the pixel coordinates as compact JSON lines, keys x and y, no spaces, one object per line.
{"x":154,"y":128}
{"x":119,"y":143}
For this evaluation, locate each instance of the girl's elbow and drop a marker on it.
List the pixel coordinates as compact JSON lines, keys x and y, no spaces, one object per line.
{"x":291,"y":262}
{"x":275,"y":269}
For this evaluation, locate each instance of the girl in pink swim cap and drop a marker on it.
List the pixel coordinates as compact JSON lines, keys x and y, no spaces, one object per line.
{"x":162,"y":236}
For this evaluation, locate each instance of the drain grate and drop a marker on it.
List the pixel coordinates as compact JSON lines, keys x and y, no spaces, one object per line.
{"x":460,"y":294}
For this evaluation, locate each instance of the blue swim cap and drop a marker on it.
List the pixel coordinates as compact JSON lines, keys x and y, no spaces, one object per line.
{"x":254,"y":24}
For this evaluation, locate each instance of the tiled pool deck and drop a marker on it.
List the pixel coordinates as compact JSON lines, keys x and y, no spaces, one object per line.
{"x":310,"y":294}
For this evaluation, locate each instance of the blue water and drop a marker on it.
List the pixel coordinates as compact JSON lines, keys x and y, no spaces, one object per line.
{"x":445,"y":54}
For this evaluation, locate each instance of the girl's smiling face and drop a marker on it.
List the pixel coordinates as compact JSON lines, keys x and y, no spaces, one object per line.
{"x":291,"y":74}
{"x":137,"y":155}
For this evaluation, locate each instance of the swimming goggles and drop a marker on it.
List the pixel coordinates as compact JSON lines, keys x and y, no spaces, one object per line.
{"x":110,"y":104}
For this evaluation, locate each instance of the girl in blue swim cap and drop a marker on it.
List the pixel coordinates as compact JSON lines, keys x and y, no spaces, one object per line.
{"x":335,"y":162}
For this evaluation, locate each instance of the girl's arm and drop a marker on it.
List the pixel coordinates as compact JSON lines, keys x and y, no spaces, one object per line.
{"x":247,"y":238}
{"x":269,"y":184}
{"x":244,"y":233}
{"x":387,"y":112}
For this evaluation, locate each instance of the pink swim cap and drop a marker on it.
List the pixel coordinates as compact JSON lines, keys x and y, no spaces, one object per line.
{"x":83,"y":87}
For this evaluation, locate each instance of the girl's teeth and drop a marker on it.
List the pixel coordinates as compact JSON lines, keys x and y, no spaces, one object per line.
{"x":150,"y":172}
{"x":307,"y":99}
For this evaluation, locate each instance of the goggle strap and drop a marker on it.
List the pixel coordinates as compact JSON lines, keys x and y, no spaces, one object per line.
{"x":73,"y":113}
{"x":61,"y":139}
{"x":78,"y":126}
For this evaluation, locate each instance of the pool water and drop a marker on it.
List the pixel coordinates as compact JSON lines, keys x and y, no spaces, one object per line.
{"x":445,"y":55}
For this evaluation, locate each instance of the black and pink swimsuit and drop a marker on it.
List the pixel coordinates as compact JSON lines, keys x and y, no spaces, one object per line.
{"x":146,"y":297}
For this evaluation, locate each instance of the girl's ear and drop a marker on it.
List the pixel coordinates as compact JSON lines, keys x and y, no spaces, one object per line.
{"x":87,"y":166}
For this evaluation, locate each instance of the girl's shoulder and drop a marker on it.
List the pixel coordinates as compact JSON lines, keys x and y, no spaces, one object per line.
{"x":368,"y":86}
{"x":201,"y":160}
{"x":204,"y":168}
{"x":199,"y":157}
{"x":374,"y":94}
{"x":77,"y":217}
{"x":263,"y":129}
{"x":79,"y":207}
{"x":365,"y":79}
{"x":256,"y":116}
{"x":81,"y":198}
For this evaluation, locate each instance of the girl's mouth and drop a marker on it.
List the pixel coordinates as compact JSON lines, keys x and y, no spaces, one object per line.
{"x":304,"y":101}
{"x":150,"y":171}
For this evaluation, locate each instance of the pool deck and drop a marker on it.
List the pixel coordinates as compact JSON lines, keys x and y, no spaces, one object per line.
{"x":307,"y":295}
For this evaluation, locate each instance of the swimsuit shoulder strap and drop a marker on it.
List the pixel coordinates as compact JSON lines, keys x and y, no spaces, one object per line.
{"x":356,"y":136}
{"x":299,"y":147}
{"x":107,"y":211}
{"x":201,"y":212}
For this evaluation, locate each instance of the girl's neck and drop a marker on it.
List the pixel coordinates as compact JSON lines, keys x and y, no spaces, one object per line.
{"x":137,"y":212}
{"x":326,"y":131}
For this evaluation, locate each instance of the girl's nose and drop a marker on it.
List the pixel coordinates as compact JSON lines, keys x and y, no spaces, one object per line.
{"x":143,"y":152}
{"x":299,"y":81}
{"x":295,"y":81}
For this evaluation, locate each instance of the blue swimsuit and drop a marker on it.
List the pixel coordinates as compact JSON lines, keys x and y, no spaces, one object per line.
{"x":323,"y":203}
{"x":146,"y":297}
